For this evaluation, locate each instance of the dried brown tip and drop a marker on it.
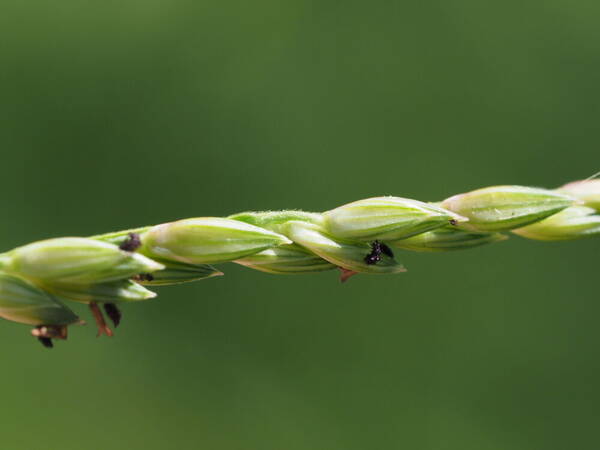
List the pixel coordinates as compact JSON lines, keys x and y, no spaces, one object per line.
{"x":346,"y":274}
{"x":113,"y":313}
{"x":132,"y":243}
{"x":45,"y":334}
{"x":50,"y":331}
{"x":100,"y":322}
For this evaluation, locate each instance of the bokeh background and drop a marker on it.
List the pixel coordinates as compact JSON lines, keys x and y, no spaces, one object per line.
{"x":120,"y":114}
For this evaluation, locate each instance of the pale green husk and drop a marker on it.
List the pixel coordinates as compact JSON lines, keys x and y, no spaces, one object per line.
{"x":112,"y":292}
{"x":75,"y":260}
{"x":276,"y":220}
{"x":287,"y":259}
{"x":21,"y":301}
{"x":347,"y":254}
{"x":179,"y":273}
{"x":207,"y":240}
{"x":588,"y":191}
{"x":386,"y":218}
{"x":173,"y":273}
{"x":446,"y":239}
{"x":503,"y":208}
{"x":576,"y":222}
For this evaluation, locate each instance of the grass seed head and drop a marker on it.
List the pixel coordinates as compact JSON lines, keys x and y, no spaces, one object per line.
{"x":356,"y":238}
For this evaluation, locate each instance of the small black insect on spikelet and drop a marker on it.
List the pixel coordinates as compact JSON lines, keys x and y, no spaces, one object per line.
{"x":132,"y":243}
{"x":113,"y":313}
{"x":386,"y":250}
{"x":377,"y":249}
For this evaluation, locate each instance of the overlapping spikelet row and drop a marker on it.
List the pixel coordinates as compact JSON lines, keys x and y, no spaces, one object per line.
{"x":359,"y":237}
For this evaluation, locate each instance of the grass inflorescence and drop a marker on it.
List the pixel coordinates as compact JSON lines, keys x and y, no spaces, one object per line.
{"x":37,"y":279}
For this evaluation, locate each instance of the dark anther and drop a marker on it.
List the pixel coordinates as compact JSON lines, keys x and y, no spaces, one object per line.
{"x":113,"y":313}
{"x":453,"y":222}
{"x":143,"y":277}
{"x":46,"y":342}
{"x":132,"y":243}
{"x":50,"y":331}
{"x":377,"y":248}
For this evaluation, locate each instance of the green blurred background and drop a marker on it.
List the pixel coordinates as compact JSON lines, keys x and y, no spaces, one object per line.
{"x":119,"y":114}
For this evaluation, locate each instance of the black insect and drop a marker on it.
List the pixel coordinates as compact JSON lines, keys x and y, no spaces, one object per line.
{"x":113,"y":313}
{"x":377,"y":249}
{"x":132,"y":243}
